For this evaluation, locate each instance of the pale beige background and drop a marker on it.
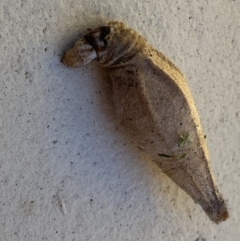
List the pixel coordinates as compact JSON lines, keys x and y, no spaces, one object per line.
{"x":59,"y":139}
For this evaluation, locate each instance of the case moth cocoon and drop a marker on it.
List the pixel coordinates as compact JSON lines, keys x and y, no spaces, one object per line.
{"x":154,"y":105}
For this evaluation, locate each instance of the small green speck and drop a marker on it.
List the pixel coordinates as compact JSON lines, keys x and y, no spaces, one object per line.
{"x":182,"y":156}
{"x":183,"y":140}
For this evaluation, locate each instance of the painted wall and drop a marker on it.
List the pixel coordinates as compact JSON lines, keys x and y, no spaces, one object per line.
{"x":67,"y":172}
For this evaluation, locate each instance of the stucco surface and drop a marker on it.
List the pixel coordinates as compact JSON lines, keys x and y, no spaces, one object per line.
{"x":66,"y":170}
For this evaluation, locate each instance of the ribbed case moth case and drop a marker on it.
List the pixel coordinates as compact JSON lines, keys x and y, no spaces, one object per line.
{"x":155,"y":106}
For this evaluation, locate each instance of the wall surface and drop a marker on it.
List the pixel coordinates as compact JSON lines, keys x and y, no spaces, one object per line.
{"x":66,"y":170}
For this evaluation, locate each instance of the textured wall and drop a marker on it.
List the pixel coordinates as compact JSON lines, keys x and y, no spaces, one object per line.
{"x":66,"y":170}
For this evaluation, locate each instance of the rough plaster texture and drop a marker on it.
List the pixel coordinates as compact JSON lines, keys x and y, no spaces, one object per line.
{"x":66,"y":170}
